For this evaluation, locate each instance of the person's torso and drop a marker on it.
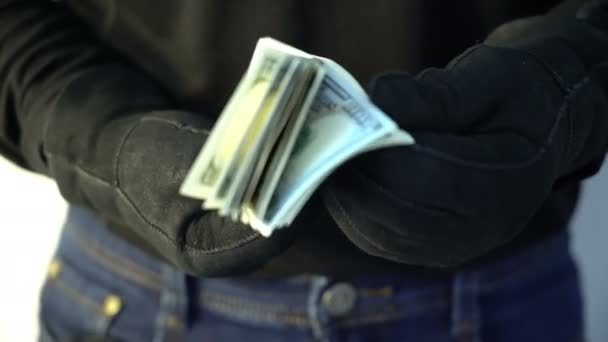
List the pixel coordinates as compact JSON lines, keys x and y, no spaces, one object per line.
{"x":199,"y":49}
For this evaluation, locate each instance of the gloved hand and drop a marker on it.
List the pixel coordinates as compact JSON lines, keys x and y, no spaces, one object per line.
{"x":496,"y":131}
{"x":72,"y":108}
{"x":113,"y":146}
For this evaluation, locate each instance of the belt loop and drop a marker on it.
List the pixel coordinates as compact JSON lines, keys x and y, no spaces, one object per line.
{"x":173,"y":306}
{"x":318,"y":318}
{"x":466,"y":310}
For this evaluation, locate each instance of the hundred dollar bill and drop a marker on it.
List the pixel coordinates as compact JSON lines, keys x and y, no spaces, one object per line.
{"x":293,"y":119}
{"x":341,"y":124}
{"x":396,"y":138}
{"x":218,"y":153}
{"x":276,"y":151}
{"x":246,"y":152}
{"x":257,"y":203}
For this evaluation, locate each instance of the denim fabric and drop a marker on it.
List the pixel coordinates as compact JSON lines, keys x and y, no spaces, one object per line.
{"x":100,"y":288}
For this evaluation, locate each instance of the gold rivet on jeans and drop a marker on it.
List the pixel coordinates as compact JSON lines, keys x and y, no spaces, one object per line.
{"x":112,"y":305}
{"x":54,"y":269}
{"x":385,"y":291}
{"x":173,"y":322}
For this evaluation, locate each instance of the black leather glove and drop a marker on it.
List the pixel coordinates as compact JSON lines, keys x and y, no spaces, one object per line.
{"x":496,"y":131}
{"x":111,"y":139}
{"x":111,"y":147}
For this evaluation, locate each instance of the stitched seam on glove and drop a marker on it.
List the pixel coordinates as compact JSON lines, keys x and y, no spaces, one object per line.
{"x":342,"y":211}
{"x":379,"y":249}
{"x":456,"y":61}
{"x":559,"y":80}
{"x":79,"y":169}
{"x":410,"y":204}
{"x":116,"y":157}
{"x":570,"y":142}
{"x":176,"y":124}
{"x":562,"y":112}
{"x":189,"y":247}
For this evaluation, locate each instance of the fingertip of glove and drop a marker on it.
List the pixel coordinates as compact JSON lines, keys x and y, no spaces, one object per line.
{"x":386,"y":90}
{"x":383,"y":81}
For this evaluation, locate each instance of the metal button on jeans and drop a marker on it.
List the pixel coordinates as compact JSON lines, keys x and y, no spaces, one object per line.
{"x":339,"y":299}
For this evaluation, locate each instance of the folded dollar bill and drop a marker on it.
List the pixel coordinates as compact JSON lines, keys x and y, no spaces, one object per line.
{"x":292,"y":120}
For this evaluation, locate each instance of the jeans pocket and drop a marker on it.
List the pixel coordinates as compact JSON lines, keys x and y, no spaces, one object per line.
{"x":74,"y":308}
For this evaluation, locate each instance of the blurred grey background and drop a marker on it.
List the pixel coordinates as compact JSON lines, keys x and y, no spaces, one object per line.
{"x":32,"y":211}
{"x":590,"y":232}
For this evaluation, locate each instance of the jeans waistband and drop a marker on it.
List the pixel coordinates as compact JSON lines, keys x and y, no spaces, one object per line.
{"x":311,"y":302}
{"x":84,"y":233}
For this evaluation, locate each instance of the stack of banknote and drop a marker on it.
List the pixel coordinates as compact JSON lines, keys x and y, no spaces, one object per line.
{"x":292,"y":120}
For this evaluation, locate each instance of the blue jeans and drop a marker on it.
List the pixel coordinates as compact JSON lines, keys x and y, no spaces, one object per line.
{"x":100,"y":288}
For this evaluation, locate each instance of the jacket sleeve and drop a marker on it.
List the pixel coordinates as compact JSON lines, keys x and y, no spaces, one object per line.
{"x":395,"y":220}
{"x":43,"y":47}
{"x":111,"y":138}
{"x":44,"y":51}
{"x":25,"y":62}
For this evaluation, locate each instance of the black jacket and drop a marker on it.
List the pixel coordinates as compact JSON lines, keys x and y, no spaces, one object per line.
{"x":198,"y":49}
